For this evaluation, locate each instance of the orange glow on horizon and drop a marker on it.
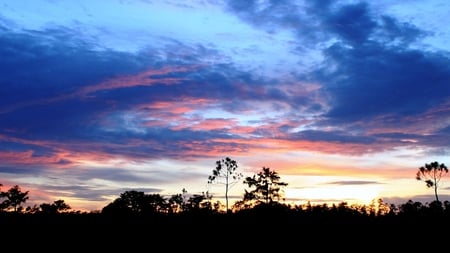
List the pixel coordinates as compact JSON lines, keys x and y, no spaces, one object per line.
{"x":362,"y":194}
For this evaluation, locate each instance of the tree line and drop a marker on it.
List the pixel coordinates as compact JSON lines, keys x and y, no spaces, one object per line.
{"x":265,"y":190}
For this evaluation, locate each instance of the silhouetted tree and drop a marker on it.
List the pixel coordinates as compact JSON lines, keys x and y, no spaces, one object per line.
{"x":431,"y":174}
{"x":137,"y":202}
{"x":134,"y":200}
{"x":32,"y":209}
{"x":2,"y":196}
{"x":185,"y":202}
{"x":435,"y":208}
{"x":447,"y":207}
{"x":61,"y":206}
{"x":118,"y":206}
{"x":411,"y":208}
{"x":56,"y":207}
{"x":267,"y":186}
{"x":193,"y":202}
{"x":176,"y":202}
{"x":226,"y":170}
{"x":156,"y":203}
{"x":47,"y":208}
{"x":129,"y":202}
{"x":14,"y":198}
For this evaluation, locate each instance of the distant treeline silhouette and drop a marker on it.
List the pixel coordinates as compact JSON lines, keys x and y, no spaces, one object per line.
{"x":265,"y":193}
{"x":265,"y":190}
{"x":260,"y":221}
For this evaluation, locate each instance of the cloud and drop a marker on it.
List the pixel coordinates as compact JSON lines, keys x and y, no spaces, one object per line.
{"x":352,"y":182}
{"x":372,"y":80}
{"x":374,"y":72}
{"x":352,"y":23}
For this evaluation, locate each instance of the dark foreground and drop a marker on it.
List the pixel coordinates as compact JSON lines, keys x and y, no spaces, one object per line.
{"x":250,"y":232}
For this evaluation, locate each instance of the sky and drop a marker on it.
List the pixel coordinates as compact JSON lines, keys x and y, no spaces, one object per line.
{"x":345,"y":100}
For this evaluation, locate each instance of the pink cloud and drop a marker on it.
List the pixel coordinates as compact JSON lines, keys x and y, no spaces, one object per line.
{"x":29,"y":158}
{"x":146,"y":78}
{"x":213,"y":124}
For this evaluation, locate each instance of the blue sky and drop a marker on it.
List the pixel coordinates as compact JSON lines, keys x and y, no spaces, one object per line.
{"x":344,"y":99}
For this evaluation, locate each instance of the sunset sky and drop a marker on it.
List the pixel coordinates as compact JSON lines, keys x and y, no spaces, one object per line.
{"x":344,"y":99}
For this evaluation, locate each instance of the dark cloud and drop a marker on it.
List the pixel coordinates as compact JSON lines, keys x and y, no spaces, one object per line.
{"x":444,"y":131}
{"x":271,"y":16}
{"x":367,"y":75}
{"x":352,"y":23}
{"x":20,"y":170}
{"x":363,"y":76}
{"x":422,"y":199}
{"x":41,"y":70}
{"x":54,"y":62}
{"x":353,"y":182}
{"x":372,"y":80}
{"x":52,"y":90}
{"x":254,"y":13}
{"x":391,"y":32}
{"x":92,"y":192}
{"x":432,"y":140}
{"x":333,"y":136}
{"x":374,"y":66}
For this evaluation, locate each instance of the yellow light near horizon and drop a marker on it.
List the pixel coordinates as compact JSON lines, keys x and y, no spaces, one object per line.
{"x":352,"y":194}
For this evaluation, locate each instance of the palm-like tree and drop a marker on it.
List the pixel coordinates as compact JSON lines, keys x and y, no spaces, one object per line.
{"x":226,"y":171}
{"x":431,"y":174}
